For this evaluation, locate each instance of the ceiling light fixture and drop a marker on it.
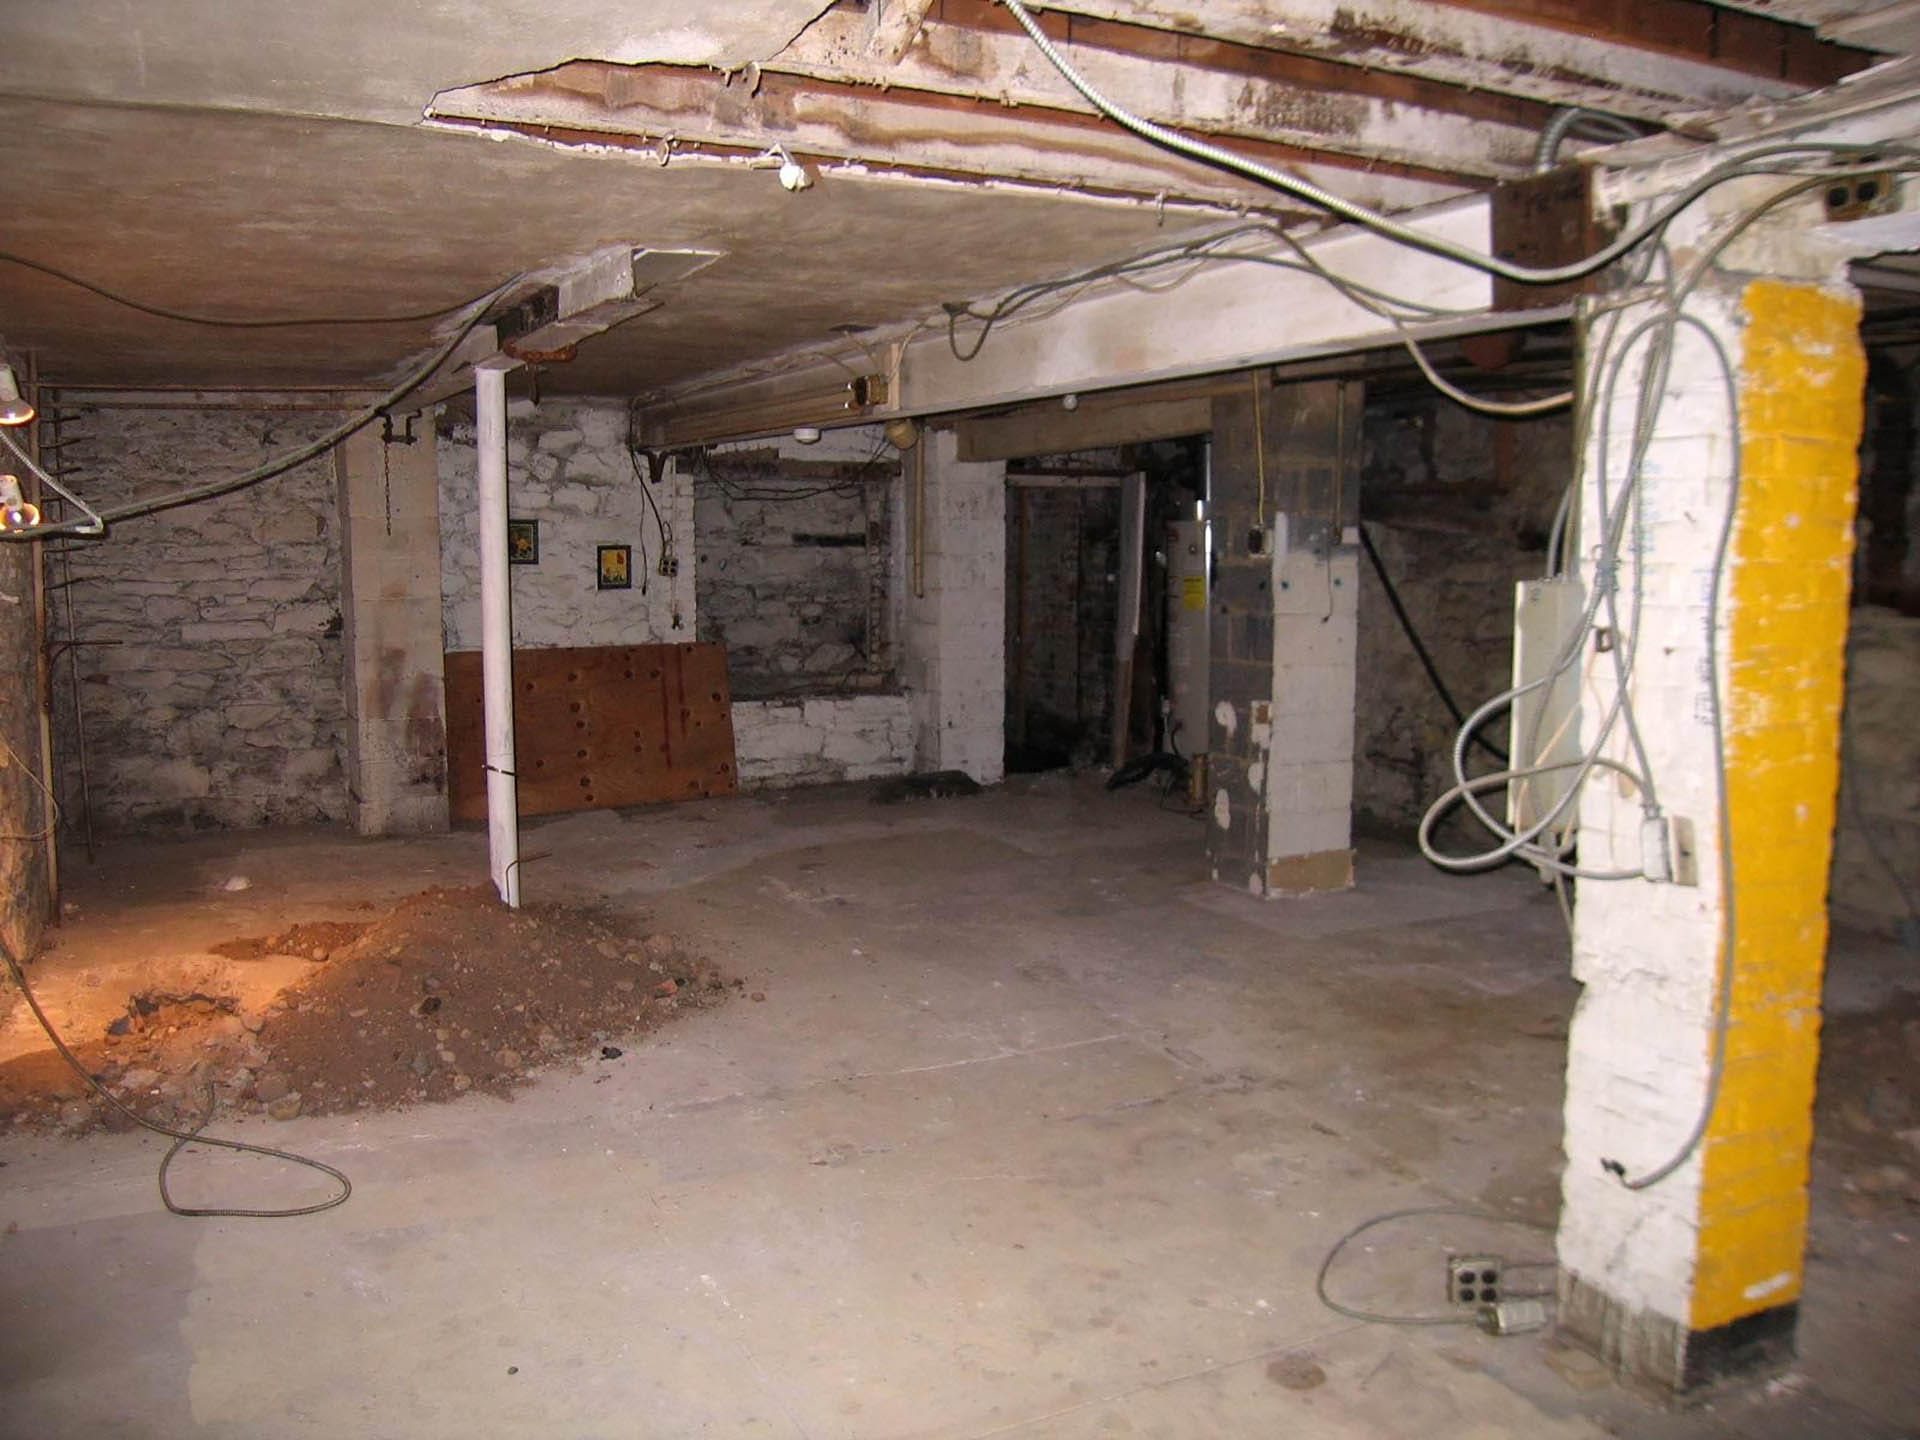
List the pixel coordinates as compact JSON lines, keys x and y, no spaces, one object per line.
{"x":16,"y":511}
{"x":20,"y":518}
{"x":14,"y":408}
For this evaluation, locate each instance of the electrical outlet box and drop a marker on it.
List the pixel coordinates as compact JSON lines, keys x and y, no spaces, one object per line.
{"x":1667,"y":855}
{"x":1854,"y":197}
{"x":1474,"y":1281}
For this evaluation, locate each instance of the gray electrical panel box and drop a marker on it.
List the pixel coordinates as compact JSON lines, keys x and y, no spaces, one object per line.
{"x":1545,"y":721}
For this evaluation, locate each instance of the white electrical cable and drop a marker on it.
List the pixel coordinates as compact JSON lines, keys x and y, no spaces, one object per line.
{"x":1507,"y":409}
{"x":97,"y":522}
{"x":1383,"y":225}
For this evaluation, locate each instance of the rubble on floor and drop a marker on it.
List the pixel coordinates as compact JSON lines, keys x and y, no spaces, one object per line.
{"x":448,"y":994}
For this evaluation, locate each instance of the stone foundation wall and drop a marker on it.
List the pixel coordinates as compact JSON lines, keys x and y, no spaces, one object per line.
{"x":568,"y":469}
{"x":821,"y":739}
{"x":210,"y":656}
{"x":795,"y":564}
{"x":1459,"y":513}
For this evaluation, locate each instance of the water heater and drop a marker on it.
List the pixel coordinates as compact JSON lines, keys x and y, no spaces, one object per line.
{"x":1187,"y":643}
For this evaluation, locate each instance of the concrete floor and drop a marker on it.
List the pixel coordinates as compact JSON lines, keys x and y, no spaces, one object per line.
{"x":1037,"y":1134}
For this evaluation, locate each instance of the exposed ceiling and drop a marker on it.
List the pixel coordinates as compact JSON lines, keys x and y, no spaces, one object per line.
{"x":346,"y":158}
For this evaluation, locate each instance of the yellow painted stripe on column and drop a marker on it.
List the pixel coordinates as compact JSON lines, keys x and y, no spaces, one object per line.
{"x":1802,"y":377}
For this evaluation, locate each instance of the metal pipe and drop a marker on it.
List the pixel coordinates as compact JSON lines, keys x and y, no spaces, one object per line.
{"x":919,"y":536}
{"x":496,"y":631}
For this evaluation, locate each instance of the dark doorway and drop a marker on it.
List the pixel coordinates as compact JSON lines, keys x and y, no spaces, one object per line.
{"x":1063,"y":588}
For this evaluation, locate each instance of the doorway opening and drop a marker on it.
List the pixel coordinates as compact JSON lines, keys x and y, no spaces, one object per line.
{"x":1087,"y":600}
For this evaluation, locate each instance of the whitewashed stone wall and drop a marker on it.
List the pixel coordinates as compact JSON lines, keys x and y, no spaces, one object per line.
{"x":794,"y":569}
{"x":821,"y":739}
{"x":567,"y":467}
{"x":213,"y":698}
{"x":1455,"y":534}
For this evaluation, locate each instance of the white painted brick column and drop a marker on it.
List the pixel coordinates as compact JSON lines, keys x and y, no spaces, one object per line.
{"x":1285,"y":634}
{"x":953,"y":661}
{"x":1637,"y":1054}
{"x":390,"y":601}
{"x":1309,"y":768}
{"x":1681,"y":1280}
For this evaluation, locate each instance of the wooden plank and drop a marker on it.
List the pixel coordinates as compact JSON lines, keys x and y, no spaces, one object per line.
{"x":597,"y":727}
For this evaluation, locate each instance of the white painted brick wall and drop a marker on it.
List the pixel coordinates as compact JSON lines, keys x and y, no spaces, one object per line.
{"x":1309,"y":768}
{"x":954,"y":637}
{"x":820,"y":740}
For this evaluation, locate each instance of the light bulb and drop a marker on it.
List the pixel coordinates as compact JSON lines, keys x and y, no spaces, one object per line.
{"x":16,"y":511}
{"x":14,"y":409}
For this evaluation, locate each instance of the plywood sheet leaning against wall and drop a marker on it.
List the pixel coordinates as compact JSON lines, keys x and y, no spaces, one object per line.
{"x":598,"y":727}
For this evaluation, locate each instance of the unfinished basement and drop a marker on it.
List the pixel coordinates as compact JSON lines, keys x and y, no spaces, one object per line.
{"x":940,"y":719}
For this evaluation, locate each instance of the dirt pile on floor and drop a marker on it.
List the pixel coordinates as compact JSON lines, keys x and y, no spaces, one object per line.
{"x":315,"y":940}
{"x":450,"y":993}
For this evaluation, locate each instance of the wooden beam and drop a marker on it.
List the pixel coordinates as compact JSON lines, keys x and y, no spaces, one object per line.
{"x":672,"y":110}
{"x":1209,"y":87}
{"x":1506,"y":47}
{"x":1127,"y":418}
{"x":1111,"y":336}
{"x":1712,"y":34}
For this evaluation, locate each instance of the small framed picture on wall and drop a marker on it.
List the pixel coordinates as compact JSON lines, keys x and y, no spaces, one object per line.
{"x":615,"y":570}
{"x":523,"y":542}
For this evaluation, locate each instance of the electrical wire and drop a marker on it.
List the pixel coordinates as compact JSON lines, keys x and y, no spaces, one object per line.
{"x":1199,"y":253}
{"x":770,"y":491}
{"x":12,"y":755}
{"x":1508,"y":409}
{"x":667,"y":559}
{"x":1574,"y":117}
{"x":1727,"y":958}
{"x":301,"y":454}
{"x":1659,"y":331}
{"x":183,"y":1138}
{"x":1376,"y":1317}
{"x":300,"y":322}
{"x":1396,"y":310}
{"x":1558,"y":822}
{"x":1384,"y":225}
